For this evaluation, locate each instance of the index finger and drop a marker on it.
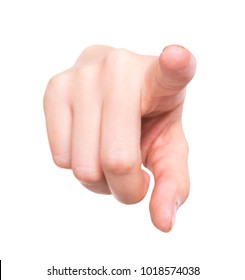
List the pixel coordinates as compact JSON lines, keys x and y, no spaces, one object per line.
{"x":171,"y":71}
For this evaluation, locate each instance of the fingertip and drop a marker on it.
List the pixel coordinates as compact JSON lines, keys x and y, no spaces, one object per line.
{"x":172,"y":71}
{"x":62,"y":161}
{"x":175,"y":56}
{"x":178,"y":61}
{"x":164,"y":203}
{"x":163,"y":216}
{"x":133,"y":194}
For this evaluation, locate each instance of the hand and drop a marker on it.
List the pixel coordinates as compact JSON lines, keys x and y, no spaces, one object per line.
{"x":115,"y":110}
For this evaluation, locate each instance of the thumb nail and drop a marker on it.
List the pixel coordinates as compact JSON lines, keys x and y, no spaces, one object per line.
{"x":176,"y":206}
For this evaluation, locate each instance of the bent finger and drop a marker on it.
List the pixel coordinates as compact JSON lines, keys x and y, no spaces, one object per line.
{"x":120,"y":146}
{"x":86,"y":142}
{"x":59,"y":119}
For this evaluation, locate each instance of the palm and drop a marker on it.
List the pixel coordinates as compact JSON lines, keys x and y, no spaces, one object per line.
{"x":158,"y":133}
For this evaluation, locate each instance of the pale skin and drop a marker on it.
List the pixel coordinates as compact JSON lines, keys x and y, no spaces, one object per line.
{"x":115,"y":110}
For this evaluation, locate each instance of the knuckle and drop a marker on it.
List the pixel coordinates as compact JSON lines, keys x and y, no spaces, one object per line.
{"x":57,"y":86}
{"x":91,"y":49}
{"x":119,"y":164}
{"x":117,"y":58}
{"x":131,"y":198}
{"x":62,"y":162}
{"x":83,"y":75}
{"x":118,"y":52}
{"x":186,"y":189}
{"x":60,"y":81}
{"x":185,"y":147}
{"x":87,"y":175}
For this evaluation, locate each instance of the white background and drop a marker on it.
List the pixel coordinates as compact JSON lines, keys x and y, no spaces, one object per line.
{"x":47,"y":218}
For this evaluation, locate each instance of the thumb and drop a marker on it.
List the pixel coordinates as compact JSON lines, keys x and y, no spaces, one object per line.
{"x":171,"y":71}
{"x":168,"y":161}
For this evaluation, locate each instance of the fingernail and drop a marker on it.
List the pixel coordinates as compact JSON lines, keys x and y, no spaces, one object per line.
{"x":175,"y":49}
{"x":174,"y":213}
